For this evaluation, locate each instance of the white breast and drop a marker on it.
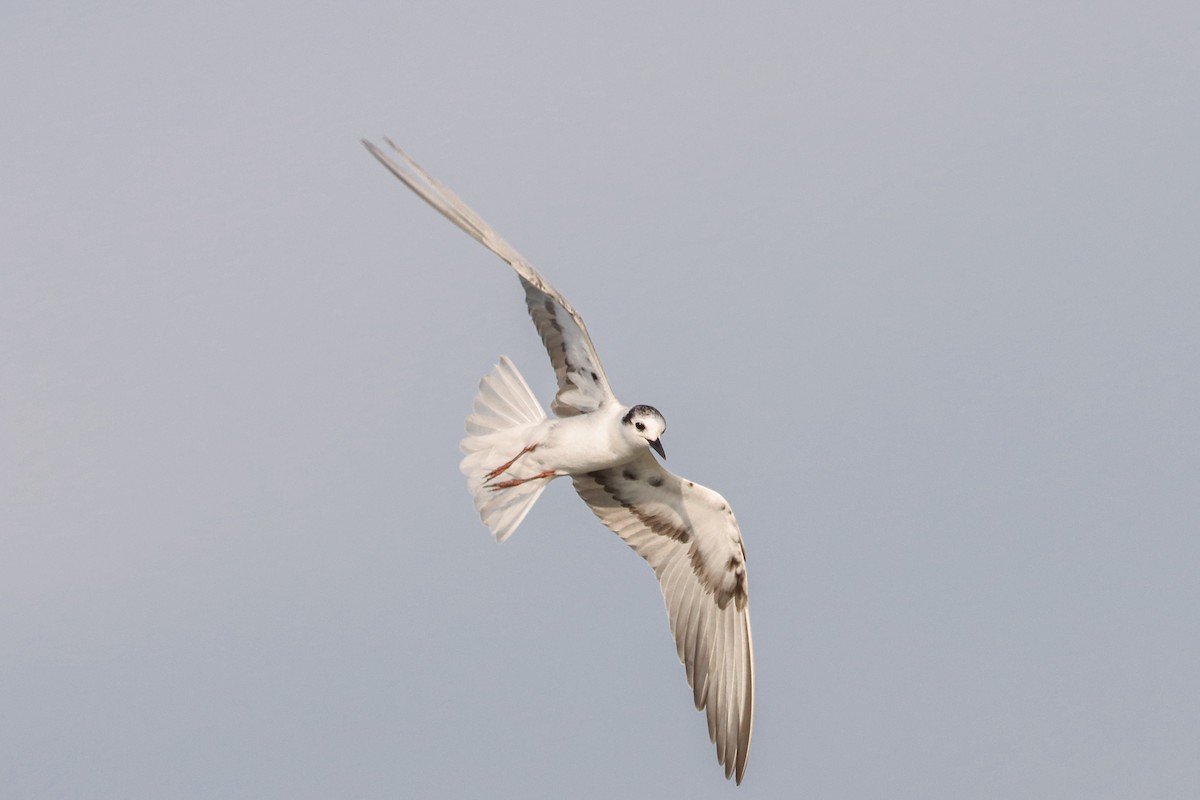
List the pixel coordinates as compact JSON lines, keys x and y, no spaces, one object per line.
{"x":586,"y":443}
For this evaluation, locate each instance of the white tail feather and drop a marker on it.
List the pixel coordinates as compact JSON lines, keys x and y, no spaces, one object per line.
{"x":505,"y":414}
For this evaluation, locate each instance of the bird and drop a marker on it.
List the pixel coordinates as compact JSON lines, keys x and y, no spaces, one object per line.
{"x":686,"y":532}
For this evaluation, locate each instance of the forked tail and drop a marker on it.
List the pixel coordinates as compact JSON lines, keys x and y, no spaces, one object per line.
{"x":506,"y":412}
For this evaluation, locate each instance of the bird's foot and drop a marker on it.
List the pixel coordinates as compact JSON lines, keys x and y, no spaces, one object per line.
{"x":500,"y":469}
{"x":518,"y":481}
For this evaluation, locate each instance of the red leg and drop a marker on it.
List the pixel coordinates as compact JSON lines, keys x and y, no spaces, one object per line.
{"x":518,"y":481}
{"x":494,"y":473}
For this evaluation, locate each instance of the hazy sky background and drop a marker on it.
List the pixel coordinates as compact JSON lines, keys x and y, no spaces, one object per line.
{"x":917,"y":287}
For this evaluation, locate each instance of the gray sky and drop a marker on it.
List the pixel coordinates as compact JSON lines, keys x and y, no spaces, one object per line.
{"x":916,"y":287}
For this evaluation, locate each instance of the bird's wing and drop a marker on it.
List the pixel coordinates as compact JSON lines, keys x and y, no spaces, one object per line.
{"x":688,"y":535}
{"x":582,"y":385}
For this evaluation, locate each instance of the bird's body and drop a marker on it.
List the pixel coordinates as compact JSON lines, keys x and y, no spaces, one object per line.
{"x":686,"y":532}
{"x":584,"y":443}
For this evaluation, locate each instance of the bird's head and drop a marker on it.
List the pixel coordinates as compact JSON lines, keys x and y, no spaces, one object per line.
{"x":646,"y":423}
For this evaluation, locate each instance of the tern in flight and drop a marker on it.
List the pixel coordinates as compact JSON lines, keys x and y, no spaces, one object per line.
{"x":686,"y":532}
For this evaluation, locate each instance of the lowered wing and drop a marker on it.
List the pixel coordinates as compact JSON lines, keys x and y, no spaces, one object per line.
{"x":688,"y":535}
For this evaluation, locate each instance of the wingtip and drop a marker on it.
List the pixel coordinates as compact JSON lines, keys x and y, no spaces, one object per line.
{"x":374,"y":150}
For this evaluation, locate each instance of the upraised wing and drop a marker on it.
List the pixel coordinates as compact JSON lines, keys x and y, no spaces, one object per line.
{"x":582,"y":385}
{"x":688,"y":535}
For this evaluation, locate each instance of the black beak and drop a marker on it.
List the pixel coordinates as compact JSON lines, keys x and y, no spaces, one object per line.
{"x":658,"y":448}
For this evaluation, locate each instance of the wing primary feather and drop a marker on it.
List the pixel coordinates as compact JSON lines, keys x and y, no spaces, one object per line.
{"x":746,"y":711}
{"x":728,"y":696}
{"x":713,"y":700}
{"x":701,"y":648}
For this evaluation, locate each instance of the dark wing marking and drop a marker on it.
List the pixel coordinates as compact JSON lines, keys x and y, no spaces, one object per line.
{"x":690,"y":538}
{"x":582,"y":385}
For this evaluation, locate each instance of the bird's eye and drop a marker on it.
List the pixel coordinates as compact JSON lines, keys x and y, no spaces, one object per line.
{"x":640,"y":426}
